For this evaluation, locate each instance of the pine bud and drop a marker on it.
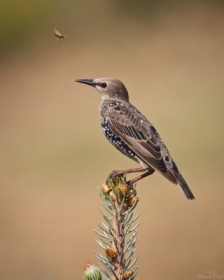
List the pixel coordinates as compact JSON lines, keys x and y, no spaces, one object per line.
{"x":128,"y":274}
{"x":133,"y":200}
{"x":111,"y":252}
{"x":106,"y":188}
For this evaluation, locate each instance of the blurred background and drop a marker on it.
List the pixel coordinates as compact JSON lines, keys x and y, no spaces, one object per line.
{"x":170,"y":56}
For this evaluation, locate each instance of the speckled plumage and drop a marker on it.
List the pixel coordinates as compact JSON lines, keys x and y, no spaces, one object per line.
{"x":115,"y":140}
{"x":132,"y":134}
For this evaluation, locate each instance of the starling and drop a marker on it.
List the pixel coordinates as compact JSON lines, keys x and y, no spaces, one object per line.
{"x":133,"y":135}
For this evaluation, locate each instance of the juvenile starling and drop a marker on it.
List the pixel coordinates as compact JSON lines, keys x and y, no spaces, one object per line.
{"x":133,"y":135}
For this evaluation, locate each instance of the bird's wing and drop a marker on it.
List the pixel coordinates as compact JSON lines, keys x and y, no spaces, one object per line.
{"x":134,"y":129}
{"x":56,"y":32}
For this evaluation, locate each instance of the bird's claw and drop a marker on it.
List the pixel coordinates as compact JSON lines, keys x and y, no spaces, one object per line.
{"x":131,"y":187}
{"x":114,"y":174}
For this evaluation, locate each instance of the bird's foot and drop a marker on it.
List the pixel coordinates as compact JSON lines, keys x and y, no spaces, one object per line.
{"x":131,"y":187}
{"x":116,"y":174}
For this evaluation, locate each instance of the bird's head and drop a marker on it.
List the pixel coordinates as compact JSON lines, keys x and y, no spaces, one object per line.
{"x":109,"y":88}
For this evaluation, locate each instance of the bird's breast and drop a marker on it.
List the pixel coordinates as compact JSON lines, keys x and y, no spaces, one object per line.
{"x":116,"y":141}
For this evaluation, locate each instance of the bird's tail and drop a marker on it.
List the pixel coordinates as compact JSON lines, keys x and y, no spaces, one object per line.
{"x":184,"y":186}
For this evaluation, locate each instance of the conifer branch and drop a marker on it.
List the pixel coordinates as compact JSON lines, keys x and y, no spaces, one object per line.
{"x":119,"y":236}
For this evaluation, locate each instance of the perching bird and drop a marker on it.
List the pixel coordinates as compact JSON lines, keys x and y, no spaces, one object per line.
{"x":133,"y":135}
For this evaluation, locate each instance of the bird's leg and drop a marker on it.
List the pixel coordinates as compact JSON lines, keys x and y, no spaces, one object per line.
{"x":116,"y":173}
{"x":136,"y":179}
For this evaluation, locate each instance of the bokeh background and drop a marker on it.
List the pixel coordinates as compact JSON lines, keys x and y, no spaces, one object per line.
{"x":170,"y":56}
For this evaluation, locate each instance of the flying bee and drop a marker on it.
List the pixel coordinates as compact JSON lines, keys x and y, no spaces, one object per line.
{"x":58,"y":35}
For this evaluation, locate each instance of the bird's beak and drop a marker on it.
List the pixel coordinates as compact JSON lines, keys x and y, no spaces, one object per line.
{"x":89,"y":82}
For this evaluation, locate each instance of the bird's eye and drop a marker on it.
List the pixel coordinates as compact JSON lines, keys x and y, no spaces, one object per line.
{"x":103,"y":85}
